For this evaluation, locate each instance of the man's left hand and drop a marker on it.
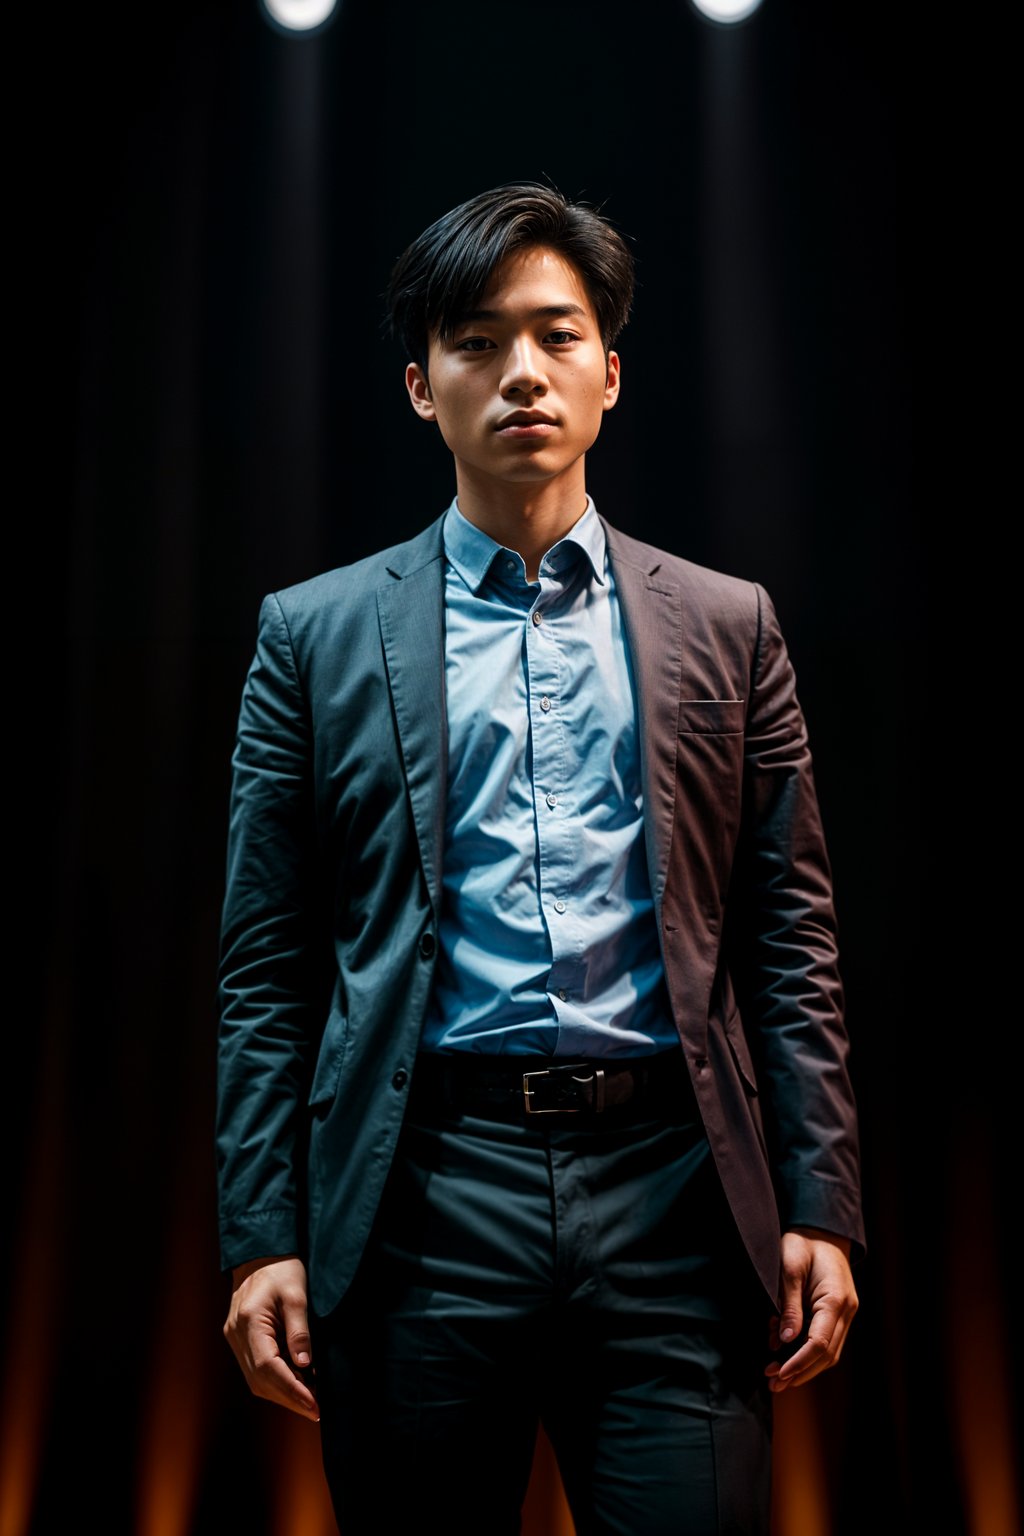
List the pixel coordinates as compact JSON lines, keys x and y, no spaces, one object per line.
{"x":817,"y":1288}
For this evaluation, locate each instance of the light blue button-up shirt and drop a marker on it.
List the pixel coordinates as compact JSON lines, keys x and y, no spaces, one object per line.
{"x":547,"y":939}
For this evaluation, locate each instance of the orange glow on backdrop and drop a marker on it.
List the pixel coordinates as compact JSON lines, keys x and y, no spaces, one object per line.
{"x":981,"y":1401}
{"x":545,"y":1508}
{"x":301,"y":1503}
{"x":31,"y":1336}
{"x":174,"y":1433}
{"x":800,"y":1496}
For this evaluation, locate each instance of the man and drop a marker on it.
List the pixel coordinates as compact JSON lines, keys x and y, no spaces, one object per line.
{"x":533,"y":1089}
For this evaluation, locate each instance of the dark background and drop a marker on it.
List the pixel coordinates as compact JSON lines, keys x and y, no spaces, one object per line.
{"x":214,"y":220}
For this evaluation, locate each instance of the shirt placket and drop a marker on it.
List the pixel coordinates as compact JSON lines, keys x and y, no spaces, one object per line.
{"x":552,"y":786}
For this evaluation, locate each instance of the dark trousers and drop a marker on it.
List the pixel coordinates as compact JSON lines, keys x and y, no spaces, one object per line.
{"x":581,"y":1270}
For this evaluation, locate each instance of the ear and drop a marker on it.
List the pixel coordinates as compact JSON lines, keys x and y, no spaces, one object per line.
{"x":418,"y":385}
{"x":611,"y":388}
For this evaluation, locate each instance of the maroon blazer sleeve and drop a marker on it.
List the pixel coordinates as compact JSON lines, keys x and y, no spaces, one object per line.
{"x":784,"y":957}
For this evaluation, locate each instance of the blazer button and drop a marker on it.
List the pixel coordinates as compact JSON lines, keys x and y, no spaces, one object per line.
{"x":400,"y":1078}
{"x":427,"y":945}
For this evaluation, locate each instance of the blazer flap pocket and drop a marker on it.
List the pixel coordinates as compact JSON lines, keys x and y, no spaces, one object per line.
{"x":711,"y":717}
{"x":328,"y":1066}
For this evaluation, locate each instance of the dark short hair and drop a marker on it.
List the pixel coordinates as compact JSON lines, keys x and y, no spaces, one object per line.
{"x":442,"y":274}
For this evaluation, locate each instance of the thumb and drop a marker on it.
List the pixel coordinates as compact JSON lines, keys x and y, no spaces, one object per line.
{"x":296,"y":1333}
{"x":791,"y":1318}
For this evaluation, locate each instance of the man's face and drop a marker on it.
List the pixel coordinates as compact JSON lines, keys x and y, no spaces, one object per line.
{"x":520,"y":389}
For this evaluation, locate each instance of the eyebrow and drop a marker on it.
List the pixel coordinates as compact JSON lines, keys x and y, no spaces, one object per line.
{"x":548,"y":311}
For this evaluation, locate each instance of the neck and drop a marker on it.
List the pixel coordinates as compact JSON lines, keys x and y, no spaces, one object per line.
{"x":526,"y":518}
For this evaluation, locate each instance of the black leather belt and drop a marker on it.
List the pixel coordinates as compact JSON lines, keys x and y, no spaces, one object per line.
{"x":555,"y":1087}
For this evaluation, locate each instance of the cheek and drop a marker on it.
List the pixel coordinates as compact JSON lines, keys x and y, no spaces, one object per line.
{"x":449,"y":433}
{"x":454,"y":408}
{"x":591,"y":387}
{"x":444,"y":417}
{"x":456,"y":423}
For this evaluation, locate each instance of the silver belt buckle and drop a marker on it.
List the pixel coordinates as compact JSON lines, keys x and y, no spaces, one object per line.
{"x":563,"y":1109}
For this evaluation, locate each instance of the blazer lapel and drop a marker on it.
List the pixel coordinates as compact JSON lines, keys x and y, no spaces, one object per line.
{"x":411,"y":613}
{"x":652,"y":619}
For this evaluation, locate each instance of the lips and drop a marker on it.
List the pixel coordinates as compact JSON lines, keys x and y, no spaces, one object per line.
{"x":525,"y":421}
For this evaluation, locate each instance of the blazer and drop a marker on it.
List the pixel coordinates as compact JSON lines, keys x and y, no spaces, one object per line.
{"x":332,"y":903}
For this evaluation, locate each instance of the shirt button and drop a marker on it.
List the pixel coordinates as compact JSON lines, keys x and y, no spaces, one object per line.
{"x":510,"y":565}
{"x":559,"y":906}
{"x":552,"y":800}
{"x":538,"y":617}
{"x":545,"y":703}
{"x":427,"y":945}
{"x":400,"y":1078}
{"x":563,"y":994}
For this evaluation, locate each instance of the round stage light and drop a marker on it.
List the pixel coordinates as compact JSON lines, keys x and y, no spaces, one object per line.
{"x":298,"y":15}
{"x":726,"y":11}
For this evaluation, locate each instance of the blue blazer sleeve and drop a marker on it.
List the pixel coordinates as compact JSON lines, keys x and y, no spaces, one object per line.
{"x":273,"y":971}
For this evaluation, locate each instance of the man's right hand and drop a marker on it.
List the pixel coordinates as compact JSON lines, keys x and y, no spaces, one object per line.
{"x":268,"y":1331}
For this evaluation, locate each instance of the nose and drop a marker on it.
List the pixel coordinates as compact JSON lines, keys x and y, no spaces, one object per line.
{"x":525,"y":372}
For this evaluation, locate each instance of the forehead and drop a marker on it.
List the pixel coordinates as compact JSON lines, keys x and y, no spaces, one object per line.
{"x":535,"y":278}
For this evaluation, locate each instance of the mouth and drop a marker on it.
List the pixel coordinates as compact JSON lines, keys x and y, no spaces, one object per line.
{"x":526,"y":424}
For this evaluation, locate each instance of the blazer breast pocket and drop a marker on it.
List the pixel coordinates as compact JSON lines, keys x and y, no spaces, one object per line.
{"x":711,"y":717}
{"x":709,"y":766}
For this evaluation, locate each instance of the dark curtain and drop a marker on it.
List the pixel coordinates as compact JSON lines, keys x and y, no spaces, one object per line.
{"x":224,"y":415}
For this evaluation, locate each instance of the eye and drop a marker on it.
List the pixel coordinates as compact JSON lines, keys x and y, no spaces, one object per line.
{"x":561,"y":338}
{"x":473,"y":344}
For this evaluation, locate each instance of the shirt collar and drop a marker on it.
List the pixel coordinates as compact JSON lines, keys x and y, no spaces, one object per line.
{"x":471,"y":551}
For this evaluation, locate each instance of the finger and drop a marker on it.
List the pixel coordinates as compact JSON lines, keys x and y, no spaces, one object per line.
{"x":821,"y":1351}
{"x":819,"y":1347}
{"x":277,"y":1382}
{"x":253,"y":1335}
{"x":274,"y":1377}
